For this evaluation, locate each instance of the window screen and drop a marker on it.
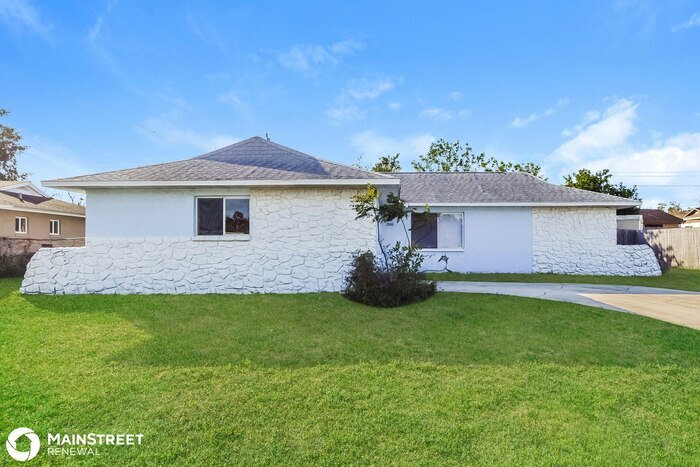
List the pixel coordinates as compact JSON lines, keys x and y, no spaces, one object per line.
{"x":54,"y":227}
{"x":237,"y":216}
{"x":450,"y":230}
{"x":424,"y":230}
{"x":437,"y":230}
{"x":210,"y":218}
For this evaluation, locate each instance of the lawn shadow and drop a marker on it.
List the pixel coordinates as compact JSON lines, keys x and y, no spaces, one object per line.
{"x":315,"y":329}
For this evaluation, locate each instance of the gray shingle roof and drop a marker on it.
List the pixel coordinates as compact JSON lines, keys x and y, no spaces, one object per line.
{"x":252,"y":159}
{"x":493,"y":187}
{"x":33,"y":203}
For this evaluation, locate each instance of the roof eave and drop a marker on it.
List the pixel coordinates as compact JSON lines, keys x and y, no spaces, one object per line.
{"x":82,"y":185}
{"x":52,"y":212}
{"x":613,"y":204}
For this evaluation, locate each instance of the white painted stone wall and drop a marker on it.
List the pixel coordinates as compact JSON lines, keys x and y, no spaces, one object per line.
{"x":301,"y":240}
{"x":584,"y":241}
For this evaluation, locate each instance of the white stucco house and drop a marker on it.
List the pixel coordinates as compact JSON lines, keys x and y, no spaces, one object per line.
{"x":257,"y":216}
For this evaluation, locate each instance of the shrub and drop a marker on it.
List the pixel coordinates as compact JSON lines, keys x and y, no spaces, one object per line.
{"x":394,"y":283}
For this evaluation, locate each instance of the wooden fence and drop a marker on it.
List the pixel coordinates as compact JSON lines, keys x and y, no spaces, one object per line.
{"x":679,"y":248}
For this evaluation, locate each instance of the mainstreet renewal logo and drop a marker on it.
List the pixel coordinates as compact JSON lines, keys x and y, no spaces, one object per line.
{"x":15,"y":453}
{"x":59,"y":444}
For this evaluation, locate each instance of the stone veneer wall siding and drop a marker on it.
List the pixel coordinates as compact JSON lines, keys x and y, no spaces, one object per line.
{"x":301,"y":241}
{"x":584,"y":241}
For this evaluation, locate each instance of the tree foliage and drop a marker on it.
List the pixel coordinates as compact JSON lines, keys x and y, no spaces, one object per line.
{"x":453,"y":156}
{"x":671,"y":207}
{"x":10,"y":149}
{"x":600,"y":182}
{"x":387,"y":164}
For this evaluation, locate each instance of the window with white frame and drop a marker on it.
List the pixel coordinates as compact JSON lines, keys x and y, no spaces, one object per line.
{"x":442,"y":230}
{"x":54,"y":227}
{"x":223,"y":215}
{"x":21,"y":225}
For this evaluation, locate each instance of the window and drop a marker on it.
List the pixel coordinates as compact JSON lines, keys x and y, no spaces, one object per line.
{"x":437,"y":230}
{"x":54,"y":227}
{"x":223,"y":216}
{"x":21,"y":225}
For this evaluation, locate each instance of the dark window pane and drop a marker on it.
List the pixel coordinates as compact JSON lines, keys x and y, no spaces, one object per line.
{"x":237,"y":216}
{"x":210,"y":216}
{"x":424,"y":229}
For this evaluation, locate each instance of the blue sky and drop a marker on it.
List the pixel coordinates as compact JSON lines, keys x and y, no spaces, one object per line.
{"x":97,"y":86}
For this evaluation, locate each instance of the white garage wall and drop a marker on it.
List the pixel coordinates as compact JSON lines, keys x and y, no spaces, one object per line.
{"x":301,"y":240}
{"x":496,"y":239}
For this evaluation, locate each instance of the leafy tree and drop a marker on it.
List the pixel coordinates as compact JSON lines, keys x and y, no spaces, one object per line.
{"x":600,"y":182}
{"x":446,"y":156}
{"x":10,"y":148}
{"x":387,"y":164}
{"x":671,"y":207}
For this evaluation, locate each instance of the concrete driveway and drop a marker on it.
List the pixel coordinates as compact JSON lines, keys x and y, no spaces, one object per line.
{"x":674,"y":306}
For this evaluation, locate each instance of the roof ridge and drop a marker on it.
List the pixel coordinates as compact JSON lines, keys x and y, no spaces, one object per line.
{"x":453,"y":173}
{"x":300,"y":153}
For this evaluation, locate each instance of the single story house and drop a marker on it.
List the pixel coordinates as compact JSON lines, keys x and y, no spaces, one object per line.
{"x":257,"y":216}
{"x":31,"y":219}
{"x":658,"y":219}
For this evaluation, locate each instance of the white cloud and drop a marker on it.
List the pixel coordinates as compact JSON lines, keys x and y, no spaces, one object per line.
{"x":522,"y":122}
{"x":603,"y":140}
{"x":306,"y":59}
{"x":395,"y":105}
{"x":367,"y":88}
{"x":595,"y":136}
{"x":231,"y":97}
{"x":168,"y":131}
{"x":455,"y":96}
{"x":444,"y":114}
{"x":22,"y":14}
{"x":345,"y":112}
{"x":346,"y":107}
{"x":691,"y":22}
{"x":206,"y":32}
{"x":346,"y":47}
{"x":437,"y":113}
{"x":373,"y":145}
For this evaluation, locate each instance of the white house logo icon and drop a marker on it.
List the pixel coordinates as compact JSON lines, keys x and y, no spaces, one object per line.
{"x":11,"y":444}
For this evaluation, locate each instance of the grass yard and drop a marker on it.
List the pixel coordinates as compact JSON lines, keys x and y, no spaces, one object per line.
{"x":316,"y":379}
{"x":684,"y":279}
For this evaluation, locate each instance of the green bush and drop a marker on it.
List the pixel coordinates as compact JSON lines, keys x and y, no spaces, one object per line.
{"x":394,"y":282}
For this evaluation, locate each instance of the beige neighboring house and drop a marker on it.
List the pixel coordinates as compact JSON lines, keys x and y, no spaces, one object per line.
{"x":31,"y":219}
{"x":692,"y":219}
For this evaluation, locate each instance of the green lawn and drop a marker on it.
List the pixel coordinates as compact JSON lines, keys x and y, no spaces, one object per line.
{"x":685,"y":279}
{"x":316,"y":379}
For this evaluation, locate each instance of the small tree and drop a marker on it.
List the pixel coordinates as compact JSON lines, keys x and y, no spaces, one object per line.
{"x":387,"y":164}
{"x":445,"y":156}
{"x":396,"y":279}
{"x":600,"y":182}
{"x":10,"y":149}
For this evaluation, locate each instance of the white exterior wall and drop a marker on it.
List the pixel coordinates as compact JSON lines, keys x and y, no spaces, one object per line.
{"x":584,"y":241}
{"x":496,"y":239}
{"x":142,"y":241}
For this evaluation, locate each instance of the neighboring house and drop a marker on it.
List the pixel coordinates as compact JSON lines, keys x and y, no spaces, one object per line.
{"x":692,"y":219}
{"x":260,"y":217}
{"x":31,"y":219}
{"x":658,"y":219}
